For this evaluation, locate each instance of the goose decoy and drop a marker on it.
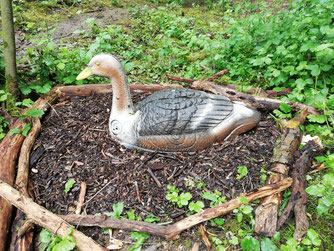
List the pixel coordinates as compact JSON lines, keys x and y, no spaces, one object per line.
{"x":171,"y":120}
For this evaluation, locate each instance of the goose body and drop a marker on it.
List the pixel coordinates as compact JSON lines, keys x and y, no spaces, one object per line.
{"x":170,"y":120}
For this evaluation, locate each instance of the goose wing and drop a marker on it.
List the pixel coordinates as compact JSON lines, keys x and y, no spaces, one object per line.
{"x":181,"y":111}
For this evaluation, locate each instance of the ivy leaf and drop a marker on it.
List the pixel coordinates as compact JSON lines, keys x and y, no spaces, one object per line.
{"x":34,"y":113}
{"x":69,"y":184}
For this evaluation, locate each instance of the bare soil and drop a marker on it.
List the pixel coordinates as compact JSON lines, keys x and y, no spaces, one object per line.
{"x":75,"y":143}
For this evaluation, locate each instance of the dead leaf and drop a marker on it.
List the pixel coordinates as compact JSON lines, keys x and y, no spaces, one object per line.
{"x":205,"y":237}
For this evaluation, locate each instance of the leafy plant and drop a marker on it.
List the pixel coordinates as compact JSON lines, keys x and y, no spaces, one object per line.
{"x":250,"y":244}
{"x":174,"y":196}
{"x":325,"y":188}
{"x":69,"y":184}
{"x":242,"y":172}
{"x":49,"y":242}
{"x":312,"y":238}
{"x":215,"y":198}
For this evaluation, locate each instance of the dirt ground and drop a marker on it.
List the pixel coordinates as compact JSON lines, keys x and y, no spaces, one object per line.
{"x":75,"y":143}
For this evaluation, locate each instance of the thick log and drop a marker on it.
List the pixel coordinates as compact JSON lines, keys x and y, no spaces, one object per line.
{"x":173,"y":230}
{"x":98,"y":89}
{"x":9,"y":149}
{"x":24,"y":242}
{"x":297,"y":201}
{"x":285,"y":146}
{"x":260,"y":103}
{"x":45,"y":218}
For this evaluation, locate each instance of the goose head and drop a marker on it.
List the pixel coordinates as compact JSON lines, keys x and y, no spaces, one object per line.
{"x":106,"y":65}
{"x":103,"y":65}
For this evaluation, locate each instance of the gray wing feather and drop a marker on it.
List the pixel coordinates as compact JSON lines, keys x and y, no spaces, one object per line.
{"x":181,"y":111}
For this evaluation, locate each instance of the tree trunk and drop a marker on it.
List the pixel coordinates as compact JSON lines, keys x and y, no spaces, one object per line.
{"x":9,"y":51}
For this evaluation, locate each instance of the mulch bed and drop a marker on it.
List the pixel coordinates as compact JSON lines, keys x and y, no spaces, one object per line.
{"x":75,"y":143}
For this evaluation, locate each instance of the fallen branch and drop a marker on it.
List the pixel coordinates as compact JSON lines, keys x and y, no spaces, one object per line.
{"x":267,"y":211}
{"x":9,"y":149}
{"x":173,"y":230}
{"x":96,"y":89}
{"x":45,"y":218}
{"x":23,"y":241}
{"x":260,"y":103}
{"x":297,"y":201}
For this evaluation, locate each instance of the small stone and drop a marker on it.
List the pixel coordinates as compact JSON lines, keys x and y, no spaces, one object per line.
{"x":34,"y":170}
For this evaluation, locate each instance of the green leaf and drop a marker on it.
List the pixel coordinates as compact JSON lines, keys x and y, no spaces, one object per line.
{"x":34,"y":113}
{"x":285,"y":107}
{"x":27,"y":102}
{"x":61,"y":66}
{"x":234,"y":240}
{"x":118,"y":208}
{"x":314,"y":237}
{"x":268,"y":245}
{"x":26,"y":129}
{"x":316,"y":190}
{"x":14,"y":131}
{"x":243,"y":199}
{"x":242,"y":171}
{"x":197,"y":207}
{"x":250,"y":244}
{"x":3,"y":97}
{"x":45,"y":236}
{"x":65,"y":245}
{"x":323,"y":46}
{"x":69,"y":184}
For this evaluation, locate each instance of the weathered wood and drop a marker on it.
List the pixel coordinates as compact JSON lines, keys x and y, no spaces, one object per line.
{"x":297,"y":201}
{"x":81,"y":199}
{"x":45,"y":218}
{"x":98,"y":89}
{"x":285,"y":146}
{"x":173,"y":230}
{"x":9,"y":149}
{"x":24,"y":242}
{"x":260,"y":103}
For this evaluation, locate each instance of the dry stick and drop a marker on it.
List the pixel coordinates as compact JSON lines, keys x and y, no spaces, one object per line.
{"x":96,"y":89}
{"x":81,"y":199}
{"x":154,"y":177}
{"x":9,"y":149}
{"x":173,"y":230}
{"x":285,"y":146}
{"x":297,"y":201}
{"x":45,"y":218}
{"x":22,"y":241}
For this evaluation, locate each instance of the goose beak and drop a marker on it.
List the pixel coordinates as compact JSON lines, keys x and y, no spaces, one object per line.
{"x":86,"y":73}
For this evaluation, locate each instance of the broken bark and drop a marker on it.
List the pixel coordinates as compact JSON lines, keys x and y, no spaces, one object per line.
{"x":9,"y":149}
{"x":297,"y":201}
{"x":96,"y":89}
{"x":24,"y":242}
{"x":267,"y":211}
{"x":45,"y":218}
{"x":173,"y":230}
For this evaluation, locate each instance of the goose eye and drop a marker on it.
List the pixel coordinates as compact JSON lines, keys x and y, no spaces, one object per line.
{"x":97,"y":64}
{"x":115,"y":127}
